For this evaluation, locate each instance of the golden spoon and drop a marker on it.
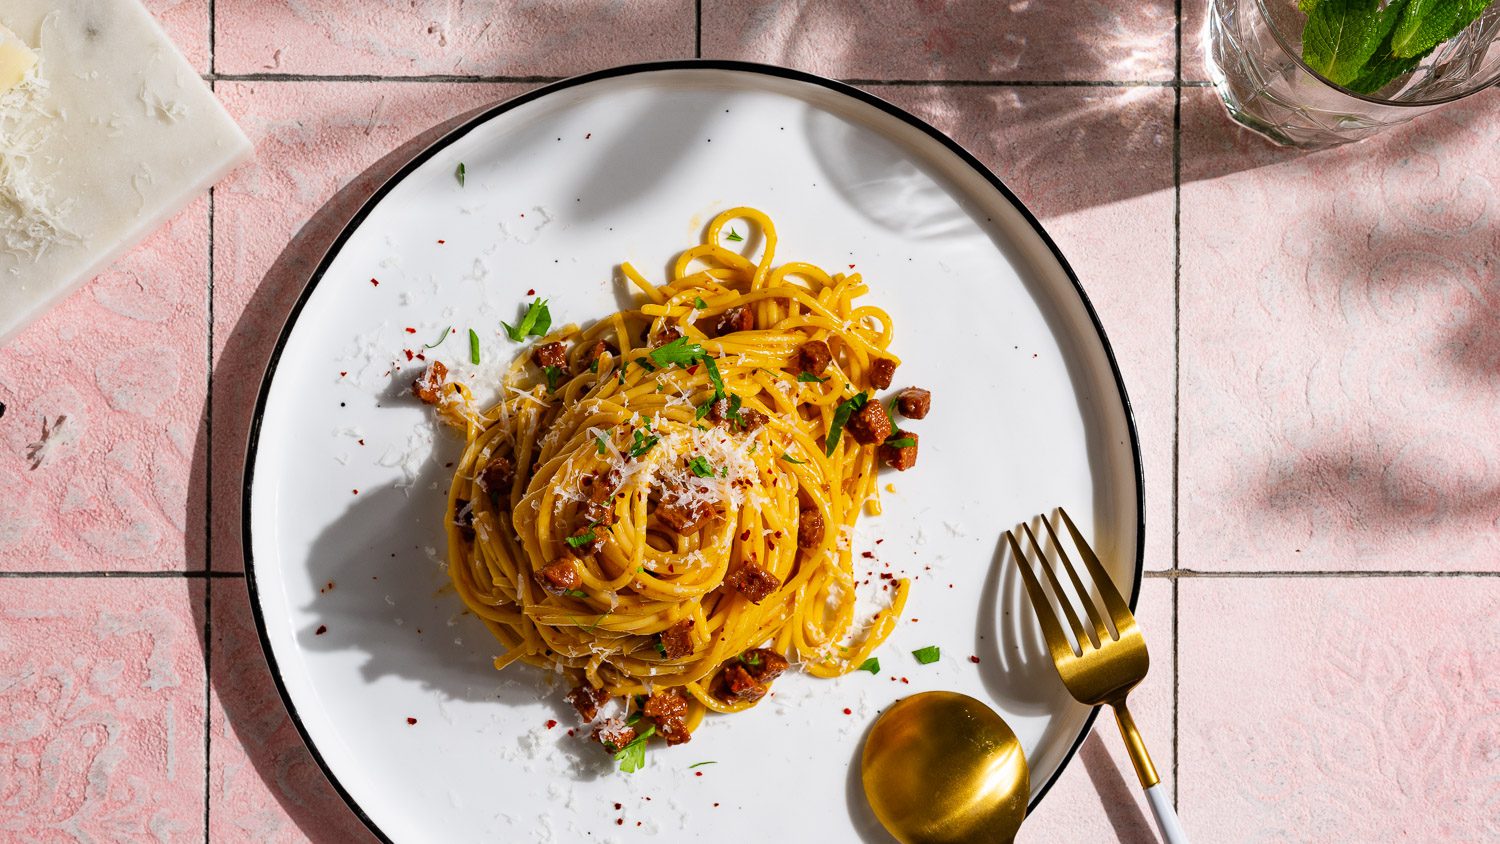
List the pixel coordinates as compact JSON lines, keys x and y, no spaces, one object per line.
{"x":942,"y":768}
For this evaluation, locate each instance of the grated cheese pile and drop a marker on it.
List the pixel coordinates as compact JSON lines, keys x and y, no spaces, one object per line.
{"x":30,"y":220}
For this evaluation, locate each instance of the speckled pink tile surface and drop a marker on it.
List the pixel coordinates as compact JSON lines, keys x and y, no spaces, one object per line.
{"x":101,"y":710}
{"x":1318,"y":392}
{"x":1348,"y":709}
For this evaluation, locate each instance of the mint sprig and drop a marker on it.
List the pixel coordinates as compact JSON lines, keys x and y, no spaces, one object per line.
{"x":1364,"y":45}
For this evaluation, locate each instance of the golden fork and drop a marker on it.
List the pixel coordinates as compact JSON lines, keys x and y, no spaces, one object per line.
{"x":1105,"y":667}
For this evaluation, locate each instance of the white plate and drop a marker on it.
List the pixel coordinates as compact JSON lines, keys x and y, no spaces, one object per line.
{"x":562,"y":184}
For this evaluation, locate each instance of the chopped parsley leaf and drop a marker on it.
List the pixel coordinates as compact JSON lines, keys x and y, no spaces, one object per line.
{"x":446,"y":332}
{"x":643,"y":444}
{"x":749,"y":658}
{"x":700,"y":764}
{"x":927,"y":655}
{"x":790,"y":459}
{"x":632,"y":757}
{"x":646,"y":364}
{"x":600,"y":444}
{"x":704,"y":408}
{"x":461,"y":173}
{"x":841,"y":416}
{"x":576,"y":593}
{"x":581,"y":539}
{"x":473,"y":347}
{"x":734,"y":236}
{"x":811,"y":378}
{"x":901,"y":442}
{"x":661,"y":649}
{"x":535,"y":322}
{"x":699,"y":303}
{"x":700,"y":467}
{"x":871,"y":665}
{"x":553,"y":374}
{"x":680,"y":351}
{"x":713,"y":376}
{"x":594,"y":367}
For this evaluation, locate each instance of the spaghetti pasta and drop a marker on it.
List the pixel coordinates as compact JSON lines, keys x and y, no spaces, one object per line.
{"x":656,"y":497}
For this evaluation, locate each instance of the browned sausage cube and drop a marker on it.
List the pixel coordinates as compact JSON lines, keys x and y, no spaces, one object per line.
{"x":677,"y":640}
{"x":870,"y":425}
{"x":587,"y":541}
{"x":595,"y":351}
{"x":560,"y":577}
{"x":751,"y":420}
{"x":429,"y":385}
{"x":753,"y":582}
{"x":668,"y":709}
{"x":736,"y":685}
{"x":614,"y":736}
{"x":497,"y":477}
{"x":667,"y":334}
{"x":551,"y":354}
{"x":738,"y":318}
{"x":814,"y":357}
{"x":683,"y":515}
{"x":764,"y":664}
{"x":587,"y":700}
{"x":882,"y":370}
{"x":900,"y":457}
{"x":914,"y":402}
{"x":674,"y":730}
{"x":809,"y":528}
{"x":598,"y":490}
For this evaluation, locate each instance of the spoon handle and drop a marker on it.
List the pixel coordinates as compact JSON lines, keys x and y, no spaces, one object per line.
{"x":1166,"y":816}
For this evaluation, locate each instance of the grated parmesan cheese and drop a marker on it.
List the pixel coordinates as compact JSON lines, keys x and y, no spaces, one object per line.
{"x":31,"y":221}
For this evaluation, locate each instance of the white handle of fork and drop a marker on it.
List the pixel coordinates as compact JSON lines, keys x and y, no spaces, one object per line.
{"x":1166,"y":816}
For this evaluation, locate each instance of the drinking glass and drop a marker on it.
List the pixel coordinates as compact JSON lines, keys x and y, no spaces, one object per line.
{"x":1254,"y":55}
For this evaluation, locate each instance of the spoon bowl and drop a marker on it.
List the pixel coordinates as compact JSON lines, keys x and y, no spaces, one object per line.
{"x":943,"y":768}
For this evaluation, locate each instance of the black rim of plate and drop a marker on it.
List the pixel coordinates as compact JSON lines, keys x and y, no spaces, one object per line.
{"x":572,"y":82}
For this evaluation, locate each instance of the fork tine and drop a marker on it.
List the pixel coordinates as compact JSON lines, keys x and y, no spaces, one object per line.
{"x":1057,"y":641}
{"x":1119,"y":611}
{"x":1062,"y":597}
{"x":1100,"y":630}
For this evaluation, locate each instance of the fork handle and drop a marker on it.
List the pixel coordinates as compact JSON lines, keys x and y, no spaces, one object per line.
{"x":1156,"y":795}
{"x":1166,"y":816}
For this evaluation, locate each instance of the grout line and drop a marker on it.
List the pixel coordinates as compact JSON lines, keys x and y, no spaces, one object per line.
{"x":1176,"y":389}
{"x":698,"y":29}
{"x":941,"y":83}
{"x":1289,"y":574}
{"x":208,"y":700}
{"x":208,"y":500}
{"x":76,"y":575}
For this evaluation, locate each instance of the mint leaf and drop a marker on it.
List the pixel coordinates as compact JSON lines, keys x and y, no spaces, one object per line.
{"x":1427,"y":23}
{"x":1342,"y":35}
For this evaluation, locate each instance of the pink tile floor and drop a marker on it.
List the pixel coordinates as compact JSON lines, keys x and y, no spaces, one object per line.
{"x":1312,"y":344}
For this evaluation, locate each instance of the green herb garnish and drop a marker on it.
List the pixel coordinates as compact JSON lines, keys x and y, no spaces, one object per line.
{"x":535,"y":322}
{"x":644,"y":364}
{"x":632,"y":757}
{"x":927,"y":655}
{"x":446,"y":332}
{"x":841,"y":416}
{"x":811,"y":378}
{"x":699,"y":303}
{"x":700,"y":764}
{"x":661,"y":649}
{"x":576,"y":593}
{"x":600,"y":444}
{"x":750,"y":659}
{"x":679,"y":351}
{"x":1363,"y":44}
{"x":901,"y":442}
{"x":733,"y":235}
{"x":871,"y":665}
{"x":790,"y":459}
{"x":643,"y":444}
{"x":554,"y":373}
{"x":700,"y":467}
{"x":581,"y":539}
{"x":461,"y":173}
{"x":473,"y":347}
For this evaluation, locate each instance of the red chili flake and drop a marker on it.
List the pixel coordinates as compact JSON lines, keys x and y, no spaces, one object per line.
{"x":421,"y":356}
{"x":375,"y":282}
{"x":361,"y":442}
{"x":693,"y":370}
{"x":697,"y":773}
{"x":550,"y":723}
{"x":878,"y":541}
{"x":586,"y":137}
{"x":974,"y":659}
{"x":442,"y":241}
{"x":637,"y":823}
{"x":322,"y":628}
{"x":619,"y":806}
{"x":868,"y":555}
{"x":848,"y":711}
{"x":531,"y":292}
{"x":356,"y":492}
{"x":411,"y":721}
{"x":409,"y":355}
{"x":851,"y":266}
{"x":916,"y":619}
{"x":410,"y":330}
{"x":716,"y":805}
{"x":906,"y":681}
{"x":619,"y":821}
{"x":570,"y":731}
{"x":745,"y":535}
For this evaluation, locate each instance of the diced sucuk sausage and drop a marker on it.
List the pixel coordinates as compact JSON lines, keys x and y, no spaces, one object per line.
{"x":668,"y":709}
{"x":560,"y":577}
{"x":677,"y":640}
{"x":738,"y":318}
{"x":737,"y":686}
{"x":598,"y":490}
{"x":551,"y":354}
{"x":764,"y":664}
{"x":809,"y":528}
{"x":595,"y":351}
{"x":870,"y":425}
{"x":898,"y":457}
{"x":753,"y":582}
{"x":429,"y":385}
{"x":751,"y":420}
{"x":667,"y":334}
{"x":882,"y":370}
{"x":683,"y":515}
{"x":614,"y":735}
{"x":813,"y":357}
{"x":587,"y":700}
{"x":497,"y":477}
{"x":914,"y":402}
